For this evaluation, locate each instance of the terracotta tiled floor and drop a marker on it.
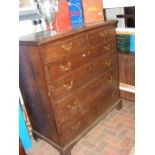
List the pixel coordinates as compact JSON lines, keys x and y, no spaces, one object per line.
{"x":114,"y":135}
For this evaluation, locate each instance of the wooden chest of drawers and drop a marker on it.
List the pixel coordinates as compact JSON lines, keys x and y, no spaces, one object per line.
{"x":69,"y":81}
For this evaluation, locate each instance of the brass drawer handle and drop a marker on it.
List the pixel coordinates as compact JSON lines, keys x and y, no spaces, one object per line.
{"x":107,"y":47}
{"x":103,"y":34}
{"x":76,"y":126}
{"x":71,"y":107}
{"x":66,"y":67}
{"x":108,"y":63}
{"x":68,"y":86}
{"x":67,"y":47}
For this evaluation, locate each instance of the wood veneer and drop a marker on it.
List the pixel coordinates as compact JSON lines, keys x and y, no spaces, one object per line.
{"x":69,"y":81}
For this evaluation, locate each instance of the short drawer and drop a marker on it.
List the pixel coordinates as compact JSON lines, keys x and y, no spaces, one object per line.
{"x":54,"y":51}
{"x":101,"y":35}
{"x":68,"y":63}
{"x":103,"y":49}
{"x":102,"y":63}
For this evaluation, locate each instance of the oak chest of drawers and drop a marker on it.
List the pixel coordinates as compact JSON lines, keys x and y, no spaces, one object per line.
{"x":69,"y":81}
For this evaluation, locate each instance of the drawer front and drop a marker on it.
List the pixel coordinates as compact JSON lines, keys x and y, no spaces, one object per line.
{"x":57,"y":50}
{"x":101,"y":35}
{"x":66,"y":109}
{"x":102,"y":63}
{"x":110,"y":92}
{"x":103,"y":49}
{"x":89,"y":93}
{"x":114,"y":86}
{"x":68,"y":64}
{"x":71,"y":129}
{"x":91,"y":114}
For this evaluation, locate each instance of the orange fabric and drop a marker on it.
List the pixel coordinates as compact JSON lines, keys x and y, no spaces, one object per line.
{"x":62,"y":20}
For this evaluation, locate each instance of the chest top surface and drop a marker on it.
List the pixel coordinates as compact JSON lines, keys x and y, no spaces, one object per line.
{"x":43,"y":37}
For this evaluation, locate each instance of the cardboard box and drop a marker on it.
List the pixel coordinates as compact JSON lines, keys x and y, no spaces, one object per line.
{"x":93,"y":11}
{"x":76,"y":13}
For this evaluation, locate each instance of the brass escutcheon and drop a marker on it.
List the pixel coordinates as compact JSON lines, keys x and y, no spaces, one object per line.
{"x":67,"y":47}
{"x":66,"y":67}
{"x":103,"y":34}
{"x":107,"y":47}
{"x":76,"y":126}
{"x":108,"y":63}
{"x":68,"y":86}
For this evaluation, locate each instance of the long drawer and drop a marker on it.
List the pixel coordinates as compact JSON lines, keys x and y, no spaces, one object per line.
{"x":103,"y":49}
{"x":77,"y":124}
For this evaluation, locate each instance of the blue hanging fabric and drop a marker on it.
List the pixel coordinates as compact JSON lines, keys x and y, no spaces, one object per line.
{"x":132,"y":43}
{"x":23,"y":132}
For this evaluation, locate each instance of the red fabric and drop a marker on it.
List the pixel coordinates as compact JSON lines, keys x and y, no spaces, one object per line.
{"x":62,"y":20}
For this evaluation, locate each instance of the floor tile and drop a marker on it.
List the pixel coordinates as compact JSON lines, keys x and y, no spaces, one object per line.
{"x":114,"y":135}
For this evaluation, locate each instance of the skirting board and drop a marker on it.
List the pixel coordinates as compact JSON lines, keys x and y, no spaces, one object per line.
{"x":126,"y":87}
{"x":125,"y":31}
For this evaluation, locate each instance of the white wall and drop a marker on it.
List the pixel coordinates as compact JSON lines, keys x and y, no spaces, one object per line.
{"x":26,"y":27}
{"x":117,"y":3}
{"x":111,"y":14}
